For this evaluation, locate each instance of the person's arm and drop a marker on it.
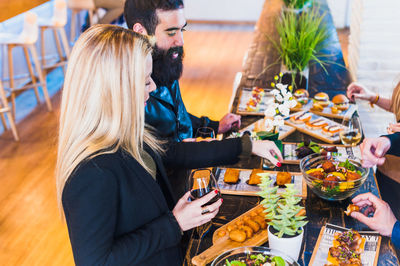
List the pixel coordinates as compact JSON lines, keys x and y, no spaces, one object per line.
{"x":396,"y":235}
{"x":90,"y":201}
{"x":359,"y":91}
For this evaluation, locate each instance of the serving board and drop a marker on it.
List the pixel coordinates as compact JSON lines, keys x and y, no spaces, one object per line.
{"x":316,"y":133}
{"x":259,"y":125}
{"x":245,"y":96}
{"x":243,"y":189}
{"x":325,"y":239}
{"x":289,"y":152}
{"x":224,"y":243}
{"x":327,"y":112}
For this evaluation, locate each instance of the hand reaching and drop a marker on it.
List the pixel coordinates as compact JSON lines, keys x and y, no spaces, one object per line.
{"x":393,"y":128}
{"x":383,"y":219}
{"x":374,"y":150}
{"x":358,"y":91}
{"x":228,"y":122}
{"x":267,"y":149}
{"x":191,"y":214}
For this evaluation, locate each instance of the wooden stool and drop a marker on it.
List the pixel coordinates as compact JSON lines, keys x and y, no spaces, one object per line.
{"x":56,"y":23}
{"x":26,"y":39}
{"x":4,"y":108}
{"x":77,"y":6}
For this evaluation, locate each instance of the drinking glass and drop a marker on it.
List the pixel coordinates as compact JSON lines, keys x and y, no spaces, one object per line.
{"x":352,"y":131}
{"x":201,"y":182}
{"x":204,"y":134}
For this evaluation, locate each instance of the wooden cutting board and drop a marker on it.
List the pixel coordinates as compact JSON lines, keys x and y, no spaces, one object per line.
{"x":224,"y":243}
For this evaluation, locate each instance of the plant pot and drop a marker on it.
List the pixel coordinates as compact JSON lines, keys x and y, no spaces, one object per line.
{"x":300,"y":78}
{"x":290,"y":245}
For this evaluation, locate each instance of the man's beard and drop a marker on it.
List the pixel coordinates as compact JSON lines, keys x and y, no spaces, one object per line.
{"x":167,"y":69}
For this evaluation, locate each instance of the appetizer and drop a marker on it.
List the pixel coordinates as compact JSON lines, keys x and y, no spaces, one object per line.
{"x":316,"y":124}
{"x":231,"y":176}
{"x":255,"y":179}
{"x":340,"y":104}
{"x":255,"y":99}
{"x":309,"y":147}
{"x":333,"y":177}
{"x":351,"y":208}
{"x":283,"y":178}
{"x":331,"y":130}
{"x":259,"y":259}
{"x":316,"y":107}
{"x":301,"y":96}
{"x":347,"y":248}
{"x":322,"y":99}
{"x":301,"y":118}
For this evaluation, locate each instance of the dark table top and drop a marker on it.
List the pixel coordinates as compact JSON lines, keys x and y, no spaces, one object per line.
{"x":319,"y":211}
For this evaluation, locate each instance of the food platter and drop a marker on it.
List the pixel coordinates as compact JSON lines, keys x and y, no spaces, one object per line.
{"x":259,"y":125}
{"x":316,"y":132}
{"x":327,"y":111}
{"x":369,"y":257}
{"x":243,"y":188}
{"x":246,"y":96}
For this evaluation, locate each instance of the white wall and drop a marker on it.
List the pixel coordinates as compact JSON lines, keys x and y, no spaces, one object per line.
{"x":341,"y":12}
{"x":223,"y":10}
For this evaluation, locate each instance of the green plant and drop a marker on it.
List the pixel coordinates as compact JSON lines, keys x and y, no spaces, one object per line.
{"x":302,"y":37}
{"x":295,"y":3}
{"x":282,"y":210}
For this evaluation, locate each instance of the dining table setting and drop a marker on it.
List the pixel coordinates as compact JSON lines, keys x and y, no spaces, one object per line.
{"x":322,"y":204}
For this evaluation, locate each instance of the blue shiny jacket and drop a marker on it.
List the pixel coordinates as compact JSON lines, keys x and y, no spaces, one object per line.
{"x":166,"y":112}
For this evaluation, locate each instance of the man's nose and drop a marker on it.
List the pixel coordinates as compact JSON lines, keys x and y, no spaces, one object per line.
{"x":178,"y":41}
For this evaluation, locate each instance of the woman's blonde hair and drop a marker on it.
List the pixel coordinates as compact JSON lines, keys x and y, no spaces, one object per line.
{"x":102,"y":107}
{"x":395,"y":103}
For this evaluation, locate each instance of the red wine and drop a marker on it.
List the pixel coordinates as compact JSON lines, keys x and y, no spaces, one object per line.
{"x":198,"y":193}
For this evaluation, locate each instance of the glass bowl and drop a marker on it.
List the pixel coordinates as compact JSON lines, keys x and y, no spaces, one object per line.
{"x":242,"y":253}
{"x":331,"y":190}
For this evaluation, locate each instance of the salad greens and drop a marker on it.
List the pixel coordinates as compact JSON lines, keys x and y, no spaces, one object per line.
{"x":257,"y":260}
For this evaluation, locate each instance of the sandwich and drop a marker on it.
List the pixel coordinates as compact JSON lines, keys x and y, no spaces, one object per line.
{"x":331,"y":130}
{"x":340,"y":103}
{"x":322,"y":99}
{"x":301,"y":96}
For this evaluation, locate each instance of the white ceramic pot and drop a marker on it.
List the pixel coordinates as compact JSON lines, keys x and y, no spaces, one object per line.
{"x":288,"y":245}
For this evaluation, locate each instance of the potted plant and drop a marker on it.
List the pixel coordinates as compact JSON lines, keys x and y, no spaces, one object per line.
{"x":286,"y":218}
{"x":302,"y":37}
{"x":296,"y":6}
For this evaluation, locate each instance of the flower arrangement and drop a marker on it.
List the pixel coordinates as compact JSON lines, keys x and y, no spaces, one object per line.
{"x":280,"y":108}
{"x":283,"y":211}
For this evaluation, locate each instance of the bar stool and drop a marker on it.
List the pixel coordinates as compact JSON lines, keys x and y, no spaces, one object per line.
{"x":56,"y":23}
{"x":4,"y":108}
{"x":77,"y":6}
{"x":26,"y":39}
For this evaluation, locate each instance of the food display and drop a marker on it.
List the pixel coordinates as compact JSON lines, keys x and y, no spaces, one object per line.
{"x":340,"y":104}
{"x":315,"y":126}
{"x":283,"y":178}
{"x":321,"y":99}
{"x":330,"y":177}
{"x":346,"y":249}
{"x":253,"y":101}
{"x":351,"y":208}
{"x":255,"y":179}
{"x":301,"y":97}
{"x":231,"y":176}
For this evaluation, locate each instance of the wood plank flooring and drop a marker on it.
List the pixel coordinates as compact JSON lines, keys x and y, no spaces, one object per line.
{"x":31,"y":232}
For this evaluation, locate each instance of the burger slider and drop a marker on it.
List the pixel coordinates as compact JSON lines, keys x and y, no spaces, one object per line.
{"x":331,"y":130}
{"x":317,"y":123}
{"x":301,"y":96}
{"x":322,"y":99}
{"x":301,"y":118}
{"x":340,"y":103}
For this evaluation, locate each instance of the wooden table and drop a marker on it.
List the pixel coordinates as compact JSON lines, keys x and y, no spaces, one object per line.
{"x":319,"y":212}
{"x":12,"y":8}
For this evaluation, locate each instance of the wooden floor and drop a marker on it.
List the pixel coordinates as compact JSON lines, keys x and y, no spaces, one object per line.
{"x":31,"y":232}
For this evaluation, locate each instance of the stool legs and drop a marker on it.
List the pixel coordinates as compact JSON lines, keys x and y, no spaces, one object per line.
{"x":6,"y":110}
{"x":11,"y":75}
{"x":34,"y":82}
{"x":41,"y":77}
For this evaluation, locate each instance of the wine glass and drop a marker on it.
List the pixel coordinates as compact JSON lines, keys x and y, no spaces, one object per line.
{"x":201,"y":182}
{"x":204,"y":134}
{"x":352,"y":132}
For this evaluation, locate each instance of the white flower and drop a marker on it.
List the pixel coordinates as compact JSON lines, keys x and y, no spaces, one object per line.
{"x":281,"y":87}
{"x":278,"y":121}
{"x":270,"y":111}
{"x":284,"y":109}
{"x":269,"y":124}
{"x":279,"y":98}
{"x":275,"y":92}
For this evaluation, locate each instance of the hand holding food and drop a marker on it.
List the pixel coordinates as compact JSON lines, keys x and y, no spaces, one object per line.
{"x":358,"y":91}
{"x":268,"y":150}
{"x":383,"y":219}
{"x":190,"y":214}
{"x":373,"y":151}
{"x":351,"y":208}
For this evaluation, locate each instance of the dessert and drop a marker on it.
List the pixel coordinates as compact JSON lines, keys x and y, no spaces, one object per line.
{"x":322,"y":99}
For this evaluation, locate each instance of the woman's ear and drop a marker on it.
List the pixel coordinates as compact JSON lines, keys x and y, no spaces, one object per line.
{"x":139,"y":29}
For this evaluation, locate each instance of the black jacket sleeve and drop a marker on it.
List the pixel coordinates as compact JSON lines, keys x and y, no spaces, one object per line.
{"x":395,"y":144}
{"x":203,"y":154}
{"x":90,"y":202}
{"x":203,"y":122}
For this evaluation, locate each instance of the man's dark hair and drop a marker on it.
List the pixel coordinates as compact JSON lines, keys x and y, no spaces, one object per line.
{"x":144,"y":12}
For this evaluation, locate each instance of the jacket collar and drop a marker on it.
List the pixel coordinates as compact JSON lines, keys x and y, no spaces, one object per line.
{"x":164,"y":93}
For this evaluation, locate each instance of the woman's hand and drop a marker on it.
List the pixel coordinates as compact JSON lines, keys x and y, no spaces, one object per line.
{"x":191,"y":214}
{"x":393,"y":128}
{"x":358,"y":91}
{"x":268,"y":150}
{"x":383,"y":219}
{"x":373,"y":151}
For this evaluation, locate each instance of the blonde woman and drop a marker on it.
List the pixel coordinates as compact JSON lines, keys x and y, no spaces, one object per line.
{"x":111,"y":183}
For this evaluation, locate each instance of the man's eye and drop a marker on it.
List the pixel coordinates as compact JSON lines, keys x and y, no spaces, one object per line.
{"x":171,"y":33}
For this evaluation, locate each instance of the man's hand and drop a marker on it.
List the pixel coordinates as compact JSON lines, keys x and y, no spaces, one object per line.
{"x":373,"y":150}
{"x":383,"y":220}
{"x":229,"y":122}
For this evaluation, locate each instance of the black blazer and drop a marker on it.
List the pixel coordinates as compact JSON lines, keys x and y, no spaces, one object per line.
{"x":117,"y":214}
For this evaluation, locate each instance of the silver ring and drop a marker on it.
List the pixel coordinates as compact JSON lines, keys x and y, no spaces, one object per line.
{"x":204,"y":211}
